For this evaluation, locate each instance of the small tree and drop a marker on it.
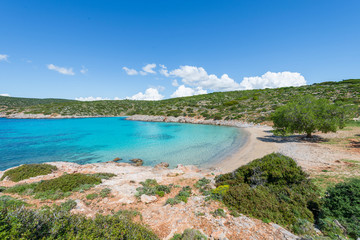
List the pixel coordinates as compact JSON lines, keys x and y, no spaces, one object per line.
{"x":308,"y":114}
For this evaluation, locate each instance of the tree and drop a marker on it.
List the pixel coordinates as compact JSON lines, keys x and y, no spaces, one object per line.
{"x":308,"y":114}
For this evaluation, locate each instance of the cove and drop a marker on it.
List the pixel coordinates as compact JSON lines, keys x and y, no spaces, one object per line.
{"x":92,"y":140}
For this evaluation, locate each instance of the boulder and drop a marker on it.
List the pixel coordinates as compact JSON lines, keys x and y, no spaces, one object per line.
{"x":218,"y":235}
{"x":137,"y":161}
{"x":117,"y":159}
{"x":147,"y":199}
{"x":162,"y":165}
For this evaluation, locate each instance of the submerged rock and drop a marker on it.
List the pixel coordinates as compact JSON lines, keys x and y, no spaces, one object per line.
{"x":137,"y":161}
{"x":117,"y":159}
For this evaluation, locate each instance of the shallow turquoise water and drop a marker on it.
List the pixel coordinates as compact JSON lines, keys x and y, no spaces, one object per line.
{"x":92,"y":140}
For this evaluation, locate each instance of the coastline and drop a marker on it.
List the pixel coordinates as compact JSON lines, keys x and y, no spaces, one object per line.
{"x":252,"y":148}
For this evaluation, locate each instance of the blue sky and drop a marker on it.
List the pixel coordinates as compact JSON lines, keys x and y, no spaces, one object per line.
{"x":44,"y":45}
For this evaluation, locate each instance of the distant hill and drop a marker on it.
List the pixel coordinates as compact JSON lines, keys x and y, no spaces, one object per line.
{"x":247,"y":105}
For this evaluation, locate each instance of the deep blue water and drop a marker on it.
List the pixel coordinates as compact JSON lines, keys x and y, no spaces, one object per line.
{"x":91,"y":140}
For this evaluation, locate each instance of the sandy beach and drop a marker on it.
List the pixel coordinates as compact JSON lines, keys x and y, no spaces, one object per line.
{"x":253,"y":148}
{"x":312,"y":156}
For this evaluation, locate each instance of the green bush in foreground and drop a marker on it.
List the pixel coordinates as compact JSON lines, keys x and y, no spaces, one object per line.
{"x":17,"y":222}
{"x":273,"y":188}
{"x":56,"y":188}
{"x":27,"y":171}
{"x":189,"y":234}
{"x":342,"y":204}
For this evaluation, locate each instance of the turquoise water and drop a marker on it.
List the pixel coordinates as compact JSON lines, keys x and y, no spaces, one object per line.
{"x":91,"y":140}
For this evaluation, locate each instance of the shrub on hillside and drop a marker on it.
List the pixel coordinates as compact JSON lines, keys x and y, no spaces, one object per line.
{"x":27,"y":171}
{"x":342,"y":205}
{"x":56,"y":188}
{"x":66,"y":182}
{"x":273,"y":188}
{"x":151,"y":187}
{"x":189,"y":234}
{"x":57,"y":223}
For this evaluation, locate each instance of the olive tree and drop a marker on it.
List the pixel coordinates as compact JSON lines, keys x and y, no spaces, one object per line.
{"x":308,"y":114}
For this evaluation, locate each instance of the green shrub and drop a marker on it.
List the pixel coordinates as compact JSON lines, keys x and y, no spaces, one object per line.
{"x":342,"y":203}
{"x":103,"y":175}
{"x":56,"y":188}
{"x":273,"y":188}
{"x":189,"y":234}
{"x":27,"y":171}
{"x":21,"y":223}
{"x":151,"y":187}
{"x":182,"y":196}
{"x":219,"y":212}
{"x":105,"y":192}
{"x":92,"y":196}
{"x":66,"y":182}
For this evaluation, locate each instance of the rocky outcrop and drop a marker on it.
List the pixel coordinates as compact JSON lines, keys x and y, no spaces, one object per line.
{"x":137,"y":162}
{"x":182,"y":119}
{"x":162,"y":165}
{"x":165,"y":220}
{"x":117,"y":159}
{"x":147,"y":199}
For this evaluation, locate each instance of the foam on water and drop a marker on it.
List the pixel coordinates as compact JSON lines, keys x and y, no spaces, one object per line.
{"x":91,"y":140}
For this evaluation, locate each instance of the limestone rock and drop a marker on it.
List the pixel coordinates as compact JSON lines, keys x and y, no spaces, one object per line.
{"x":137,"y":162}
{"x":218,"y":235}
{"x":162,"y":165}
{"x":117,"y":159}
{"x":148,"y":199}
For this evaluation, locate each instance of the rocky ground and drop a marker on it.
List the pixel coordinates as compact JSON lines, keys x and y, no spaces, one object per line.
{"x":164,"y":220}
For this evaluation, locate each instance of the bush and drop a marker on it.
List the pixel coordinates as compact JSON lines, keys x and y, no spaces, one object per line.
{"x":151,"y":187}
{"x":273,"y":188}
{"x":182,"y":196}
{"x":21,"y":223}
{"x":105,"y":192}
{"x":27,"y":171}
{"x":92,"y":196}
{"x":66,"y":182}
{"x":342,"y":203}
{"x":56,"y":188}
{"x":103,"y":175}
{"x":189,"y":234}
{"x":219,"y":212}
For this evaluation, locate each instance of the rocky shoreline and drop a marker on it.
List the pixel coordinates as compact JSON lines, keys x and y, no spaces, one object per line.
{"x":181,"y":119}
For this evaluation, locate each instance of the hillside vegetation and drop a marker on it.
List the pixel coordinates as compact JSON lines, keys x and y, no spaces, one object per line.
{"x":247,"y":105}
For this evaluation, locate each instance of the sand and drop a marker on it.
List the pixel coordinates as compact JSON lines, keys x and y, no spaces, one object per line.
{"x":253,"y":148}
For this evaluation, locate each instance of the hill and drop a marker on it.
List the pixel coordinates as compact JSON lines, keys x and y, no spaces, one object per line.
{"x":248,"y":105}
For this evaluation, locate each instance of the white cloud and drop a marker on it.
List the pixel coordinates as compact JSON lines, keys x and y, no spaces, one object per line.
{"x":150,"y":94}
{"x":130,"y":71}
{"x":149,"y":68}
{"x":5,"y":94}
{"x":84,"y":70}
{"x":4,"y":57}
{"x":175,"y":83}
{"x":163,"y":70}
{"x":62,"y":70}
{"x":183,"y":91}
{"x":273,"y":80}
{"x":198,"y":77}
